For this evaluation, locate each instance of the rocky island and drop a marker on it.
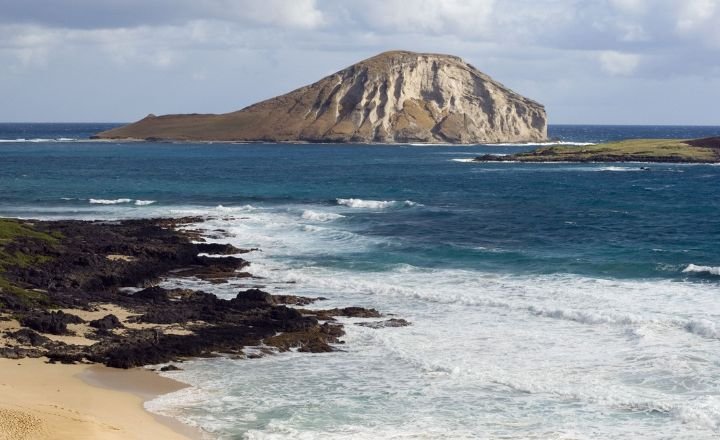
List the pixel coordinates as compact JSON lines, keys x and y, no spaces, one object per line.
{"x":78,"y":291}
{"x":394,"y":97}
{"x":705,"y":150}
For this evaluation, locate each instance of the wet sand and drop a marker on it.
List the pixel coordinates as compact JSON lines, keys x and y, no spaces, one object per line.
{"x":44,"y":401}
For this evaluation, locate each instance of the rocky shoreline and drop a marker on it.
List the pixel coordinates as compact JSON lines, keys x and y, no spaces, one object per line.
{"x":78,"y":291}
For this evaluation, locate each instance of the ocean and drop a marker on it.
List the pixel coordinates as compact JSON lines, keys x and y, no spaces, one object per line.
{"x":548,"y":301}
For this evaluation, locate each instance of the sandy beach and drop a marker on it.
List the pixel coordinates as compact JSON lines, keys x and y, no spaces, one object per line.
{"x":44,"y":401}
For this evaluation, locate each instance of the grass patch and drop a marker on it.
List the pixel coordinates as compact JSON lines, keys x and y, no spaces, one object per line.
{"x":636,"y":149}
{"x":20,"y":259}
{"x":26,"y":297}
{"x":11,"y":230}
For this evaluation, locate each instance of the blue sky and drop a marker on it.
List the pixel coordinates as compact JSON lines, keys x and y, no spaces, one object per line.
{"x":602,"y":61}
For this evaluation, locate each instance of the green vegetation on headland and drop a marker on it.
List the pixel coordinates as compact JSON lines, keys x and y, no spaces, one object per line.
{"x":706,"y":150}
{"x":11,"y":229}
{"x":16,"y":240}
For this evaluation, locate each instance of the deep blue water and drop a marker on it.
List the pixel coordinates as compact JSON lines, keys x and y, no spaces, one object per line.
{"x":594,"y":219}
{"x":547,"y":300}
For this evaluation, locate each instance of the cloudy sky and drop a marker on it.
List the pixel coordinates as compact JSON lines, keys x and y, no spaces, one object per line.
{"x":588,"y":61}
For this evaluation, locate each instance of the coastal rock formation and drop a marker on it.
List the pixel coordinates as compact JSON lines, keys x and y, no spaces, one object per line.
{"x":705,"y":150}
{"x":393,"y":97}
{"x":62,"y":297}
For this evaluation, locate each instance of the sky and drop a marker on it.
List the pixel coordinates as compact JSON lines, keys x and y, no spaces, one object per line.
{"x":587,"y":61}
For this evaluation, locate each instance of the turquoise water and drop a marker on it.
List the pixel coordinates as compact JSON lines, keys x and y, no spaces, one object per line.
{"x":547,"y":300}
{"x":616,"y":221}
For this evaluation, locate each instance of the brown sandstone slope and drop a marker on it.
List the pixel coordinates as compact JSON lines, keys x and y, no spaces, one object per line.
{"x":392,"y":97}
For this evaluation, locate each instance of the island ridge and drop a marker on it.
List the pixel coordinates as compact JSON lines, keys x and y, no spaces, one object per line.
{"x":394,"y":97}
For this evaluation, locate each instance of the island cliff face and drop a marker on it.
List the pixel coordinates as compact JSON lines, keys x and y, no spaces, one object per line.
{"x":392,"y":97}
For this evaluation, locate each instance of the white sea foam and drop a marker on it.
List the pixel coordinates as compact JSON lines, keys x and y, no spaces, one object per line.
{"x":712,"y":270}
{"x":144,"y":202}
{"x":703,"y":412}
{"x":109,"y":201}
{"x":373,"y":204}
{"x":242,"y":208}
{"x":320,"y":216}
{"x":460,"y":153}
{"x":617,"y":168}
{"x":586,"y":317}
{"x":463,"y":160}
{"x":509,"y":356}
{"x":37,"y":140}
{"x":703,"y":327}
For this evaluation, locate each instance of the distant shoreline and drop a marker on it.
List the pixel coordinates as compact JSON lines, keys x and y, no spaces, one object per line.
{"x":703,"y":150}
{"x":305,"y":142}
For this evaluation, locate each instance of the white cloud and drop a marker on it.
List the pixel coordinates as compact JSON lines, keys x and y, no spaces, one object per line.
{"x":632,"y":33}
{"x":302,"y":14}
{"x":630,"y":6}
{"x":98,"y":14}
{"x":299,"y":13}
{"x":256,"y":48}
{"x":468,"y":17}
{"x":618,"y":63}
{"x":32,"y":56}
{"x":699,"y":21}
{"x":695,"y":13}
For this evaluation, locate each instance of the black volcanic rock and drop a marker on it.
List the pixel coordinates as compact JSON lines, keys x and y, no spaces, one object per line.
{"x":26,"y":336}
{"x":50,"y":322}
{"x":79,"y":265}
{"x":108,"y":322}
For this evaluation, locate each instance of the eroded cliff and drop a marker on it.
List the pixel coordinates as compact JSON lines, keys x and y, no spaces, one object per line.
{"x":393,"y":97}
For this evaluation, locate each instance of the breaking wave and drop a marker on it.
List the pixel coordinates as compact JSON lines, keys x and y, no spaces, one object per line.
{"x":373,"y":204}
{"x":621,"y":169}
{"x":38,"y":140}
{"x":320,"y":216}
{"x":116,"y":201}
{"x":712,"y":270}
{"x":703,"y":327}
{"x":109,"y":201}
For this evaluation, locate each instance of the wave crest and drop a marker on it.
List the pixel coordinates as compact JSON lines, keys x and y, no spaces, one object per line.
{"x":320,"y":216}
{"x":120,"y":201}
{"x":586,"y":317}
{"x":38,"y":140}
{"x":109,"y":201}
{"x":703,"y":327}
{"x":373,"y":204}
{"x":693,"y":268}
